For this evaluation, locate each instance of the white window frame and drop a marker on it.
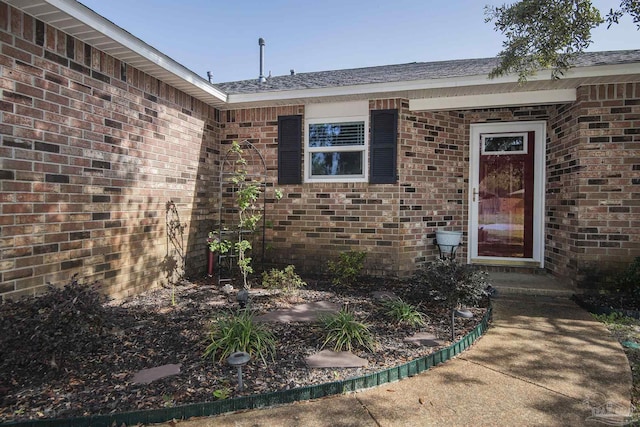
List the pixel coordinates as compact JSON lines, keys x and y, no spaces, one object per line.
{"x":336,"y":113}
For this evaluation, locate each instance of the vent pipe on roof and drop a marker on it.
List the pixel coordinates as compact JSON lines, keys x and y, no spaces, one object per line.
{"x":262,"y":78}
{"x":293,"y":72}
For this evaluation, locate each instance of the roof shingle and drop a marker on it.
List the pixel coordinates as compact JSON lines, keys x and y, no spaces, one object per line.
{"x":403,"y":72}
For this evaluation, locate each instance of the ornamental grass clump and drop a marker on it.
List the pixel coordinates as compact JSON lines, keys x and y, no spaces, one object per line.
{"x":344,"y":332}
{"x":402,"y":312}
{"x":240,"y":332}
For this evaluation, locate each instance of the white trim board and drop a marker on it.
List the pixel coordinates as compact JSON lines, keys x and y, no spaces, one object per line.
{"x":494,"y":100}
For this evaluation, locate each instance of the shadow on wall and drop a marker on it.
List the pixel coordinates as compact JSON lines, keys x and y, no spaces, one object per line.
{"x":204,"y":205}
{"x":173,"y":264}
{"x":132,"y":250}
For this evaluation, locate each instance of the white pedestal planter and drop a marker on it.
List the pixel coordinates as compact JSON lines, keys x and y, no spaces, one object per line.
{"x":448,"y":242}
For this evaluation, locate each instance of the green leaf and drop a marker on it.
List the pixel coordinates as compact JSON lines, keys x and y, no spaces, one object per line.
{"x":542,"y":34}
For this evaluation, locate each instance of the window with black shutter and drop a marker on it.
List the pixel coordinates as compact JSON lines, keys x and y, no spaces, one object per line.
{"x":289,"y":149}
{"x":383,"y":147}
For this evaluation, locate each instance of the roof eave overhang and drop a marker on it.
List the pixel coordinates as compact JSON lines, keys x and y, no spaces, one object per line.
{"x":84,"y":24}
{"x":494,"y":100}
{"x":547,"y":94}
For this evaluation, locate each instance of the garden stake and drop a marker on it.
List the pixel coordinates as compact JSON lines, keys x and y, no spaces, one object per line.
{"x":239,"y":359}
{"x":460,"y":313}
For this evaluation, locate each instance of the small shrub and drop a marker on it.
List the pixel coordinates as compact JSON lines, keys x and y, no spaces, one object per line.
{"x":403,"y":312}
{"x":628,"y":281}
{"x":345,"y":332}
{"x":240,"y":332}
{"x":347,"y":268}
{"x":287,"y":280}
{"x":451,"y":283}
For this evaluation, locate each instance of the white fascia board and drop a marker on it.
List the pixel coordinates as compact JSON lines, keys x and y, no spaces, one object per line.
{"x":112,"y":31}
{"x":494,"y":100}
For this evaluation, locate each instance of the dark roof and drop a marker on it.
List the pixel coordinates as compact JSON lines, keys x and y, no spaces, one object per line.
{"x":403,"y":72}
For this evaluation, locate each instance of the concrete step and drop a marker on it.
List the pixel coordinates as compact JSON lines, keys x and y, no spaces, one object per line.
{"x":507,"y":283}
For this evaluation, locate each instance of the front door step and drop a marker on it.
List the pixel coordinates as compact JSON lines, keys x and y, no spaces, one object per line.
{"x":509,"y":283}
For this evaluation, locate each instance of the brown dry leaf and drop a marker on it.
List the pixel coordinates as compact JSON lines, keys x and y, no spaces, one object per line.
{"x":421,"y":400}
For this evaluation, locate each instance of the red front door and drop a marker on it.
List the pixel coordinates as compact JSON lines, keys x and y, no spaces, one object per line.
{"x":505,"y":195}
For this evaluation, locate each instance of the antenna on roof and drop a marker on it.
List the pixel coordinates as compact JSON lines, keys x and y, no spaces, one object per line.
{"x":261,"y":78}
{"x":209,"y":76}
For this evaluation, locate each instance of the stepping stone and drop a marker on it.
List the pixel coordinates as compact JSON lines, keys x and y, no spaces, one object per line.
{"x":381,"y":296}
{"x":423,"y":339}
{"x":147,"y":376}
{"x":301,"y":313}
{"x":333,"y":359}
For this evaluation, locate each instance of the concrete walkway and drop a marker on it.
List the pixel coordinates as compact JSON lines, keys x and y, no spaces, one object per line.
{"x":544,"y":362}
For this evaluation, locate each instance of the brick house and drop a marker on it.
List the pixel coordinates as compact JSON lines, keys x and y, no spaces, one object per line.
{"x":111,"y":154}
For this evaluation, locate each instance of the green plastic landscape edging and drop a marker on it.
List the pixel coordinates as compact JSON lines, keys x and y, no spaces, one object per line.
{"x":218,"y":407}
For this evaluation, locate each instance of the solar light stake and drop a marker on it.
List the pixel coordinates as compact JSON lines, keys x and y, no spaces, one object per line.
{"x":239,"y":359}
{"x":242,"y":297}
{"x":460,"y":313}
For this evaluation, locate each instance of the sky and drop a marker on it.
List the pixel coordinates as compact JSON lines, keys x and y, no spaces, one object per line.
{"x":222,"y":36}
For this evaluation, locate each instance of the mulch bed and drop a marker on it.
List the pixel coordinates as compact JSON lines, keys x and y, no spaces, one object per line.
{"x":93,"y":373}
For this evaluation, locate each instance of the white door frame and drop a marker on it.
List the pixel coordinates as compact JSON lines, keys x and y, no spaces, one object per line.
{"x":540,"y":130}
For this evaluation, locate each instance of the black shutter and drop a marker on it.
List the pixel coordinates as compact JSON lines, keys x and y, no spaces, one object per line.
{"x":383,"y":147}
{"x":289,"y":149}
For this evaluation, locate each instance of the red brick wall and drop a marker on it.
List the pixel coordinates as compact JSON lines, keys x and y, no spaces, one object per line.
{"x":607,"y":205}
{"x":396,"y":224}
{"x":562,"y":191}
{"x":314,"y":222}
{"x":92,"y":151}
{"x":433,"y":155}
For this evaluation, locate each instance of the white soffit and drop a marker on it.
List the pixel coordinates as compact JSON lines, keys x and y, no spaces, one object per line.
{"x":84,"y":24}
{"x":494,"y":100}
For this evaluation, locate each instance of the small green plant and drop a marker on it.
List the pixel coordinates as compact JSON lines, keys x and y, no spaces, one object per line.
{"x":167,"y":400}
{"x":240,"y":332}
{"x":345,"y":332}
{"x":222,"y":393}
{"x":347,"y":268}
{"x":247,"y":192}
{"x":403,"y":312}
{"x":287,"y":280}
{"x":614,"y":318}
{"x":217,"y":244}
